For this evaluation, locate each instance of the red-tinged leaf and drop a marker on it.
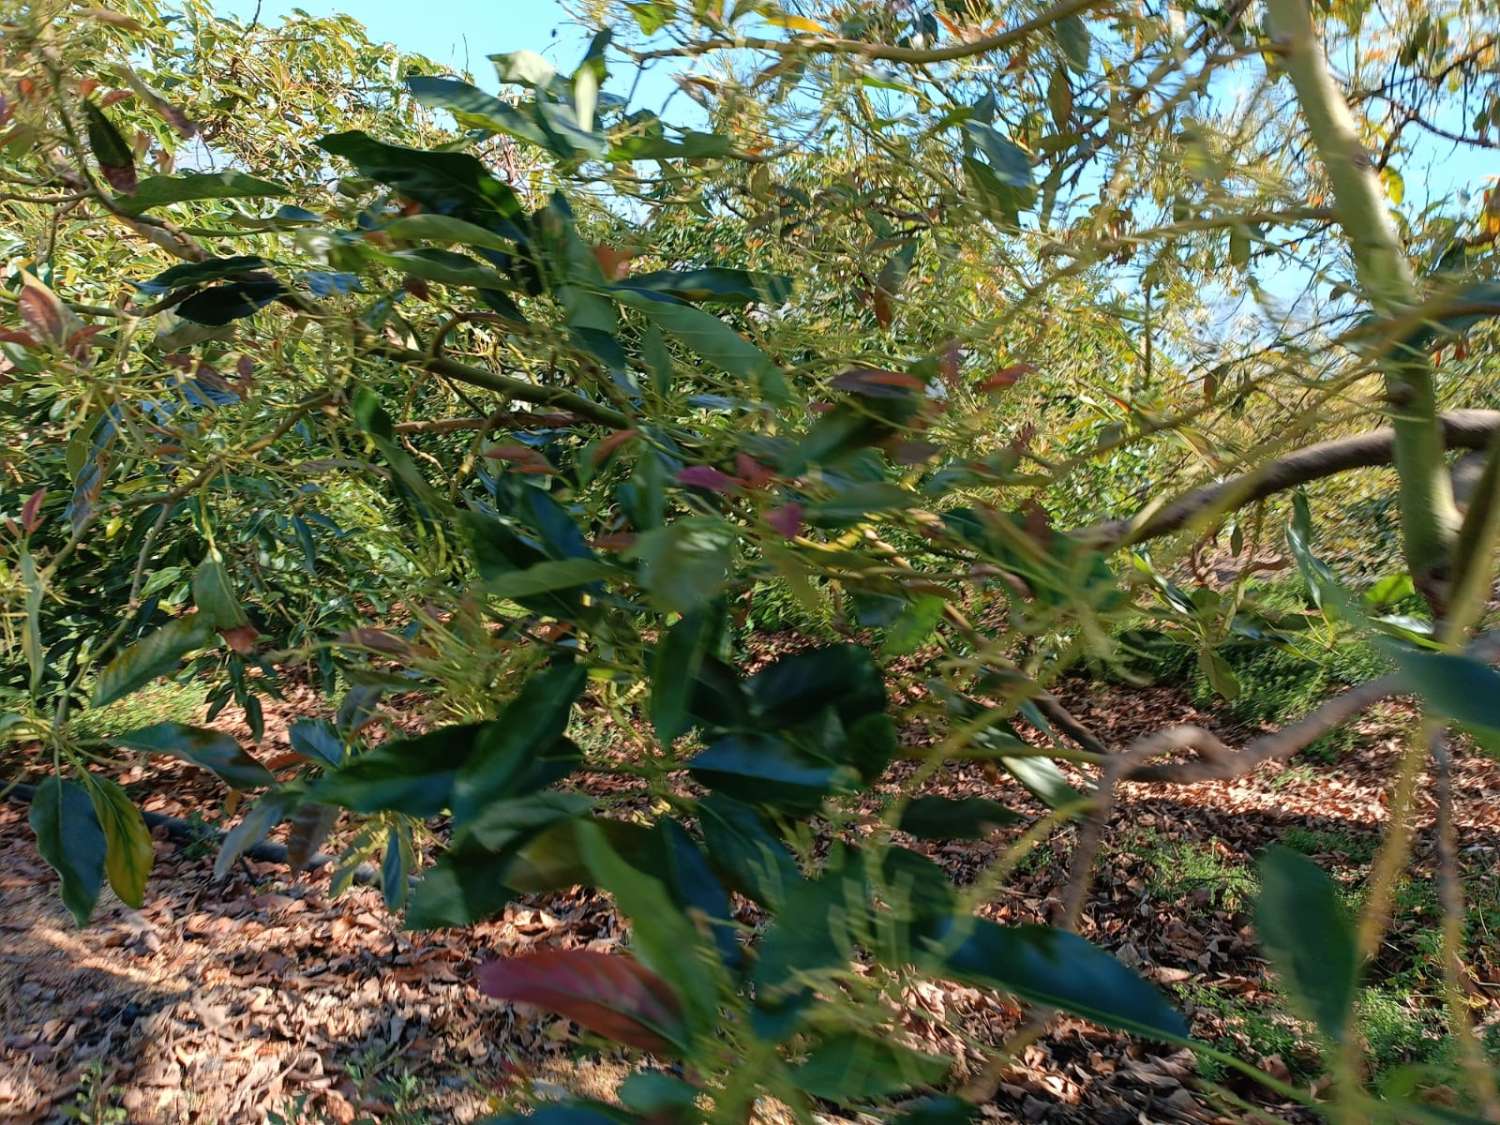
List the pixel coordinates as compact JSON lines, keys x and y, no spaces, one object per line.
{"x":949,"y":362}
{"x":79,"y":342}
{"x":914,"y":452}
{"x":614,"y":541}
{"x":819,"y":407}
{"x":610,"y":994}
{"x":615,"y":264}
{"x":522,"y":457}
{"x":706,"y":476}
{"x":875,"y":383}
{"x":11,"y":336}
{"x":87,"y":86}
{"x":377,"y":639}
{"x":1007,"y":377}
{"x":244,"y":367}
{"x":121,"y":177}
{"x":885,"y":308}
{"x":5,"y":110}
{"x":606,"y":448}
{"x":417,"y":288}
{"x":752,"y":472}
{"x":114,"y":97}
{"x":43,"y":312}
{"x":31,"y":511}
{"x":240,"y":638}
{"x":786,"y":519}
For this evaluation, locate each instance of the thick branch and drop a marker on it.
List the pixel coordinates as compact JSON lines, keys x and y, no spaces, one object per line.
{"x":506,"y":385}
{"x":882,"y":51}
{"x":1429,"y":519}
{"x":1461,"y":429}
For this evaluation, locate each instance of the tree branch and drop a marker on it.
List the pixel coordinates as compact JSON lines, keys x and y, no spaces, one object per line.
{"x":1460,"y":429}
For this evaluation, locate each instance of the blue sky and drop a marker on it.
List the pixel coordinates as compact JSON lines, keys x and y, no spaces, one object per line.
{"x":456,"y":32}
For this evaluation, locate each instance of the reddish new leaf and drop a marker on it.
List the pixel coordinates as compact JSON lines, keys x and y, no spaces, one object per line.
{"x":43,"y":312}
{"x":606,"y":448}
{"x":1006,"y":377}
{"x":31,"y":511}
{"x":706,"y":476}
{"x":610,"y":994}
{"x":752,"y":472}
{"x":786,"y":519}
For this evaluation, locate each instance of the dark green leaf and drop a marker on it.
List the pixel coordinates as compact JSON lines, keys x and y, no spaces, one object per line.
{"x":195,"y":273}
{"x":221,"y":304}
{"x":319,"y":740}
{"x":410,"y":775}
{"x":69,"y":838}
{"x":674,"y":672}
{"x":1054,"y":968}
{"x":544,"y":577}
{"x":914,"y":627}
{"x":1074,"y":39}
{"x":1309,"y":938}
{"x":472,"y":108}
{"x":213,"y":594}
{"x":450,"y":183}
{"x":744,"y":851}
{"x":715,"y":284}
{"x":211,"y":749}
{"x":960,"y":818}
{"x":155,"y":191}
{"x":154,"y":655}
{"x":258,"y":820}
{"x":1044,"y":779}
{"x":116,"y":160}
{"x":429,"y":227}
{"x":797,"y":687}
{"x":851,"y":1067}
{"x":946,"y":1110}
{"x":765,"y":770}
{"x":521,"y":750}
{"x":684,"y":564}
{"x":711,"y":339}
{"x":1457,"y":687}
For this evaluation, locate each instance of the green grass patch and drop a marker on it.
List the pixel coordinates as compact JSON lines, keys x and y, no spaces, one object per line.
{"x":165,"y":701}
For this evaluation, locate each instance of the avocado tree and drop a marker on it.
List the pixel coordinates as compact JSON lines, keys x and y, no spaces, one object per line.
{"x":966,"y":327}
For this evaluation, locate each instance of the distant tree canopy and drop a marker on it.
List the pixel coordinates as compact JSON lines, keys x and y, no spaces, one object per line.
{"x":964,"y":331}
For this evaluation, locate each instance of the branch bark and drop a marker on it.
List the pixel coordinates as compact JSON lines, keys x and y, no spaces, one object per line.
{"x":1458,"y":429}
{"x":1429,"y":518}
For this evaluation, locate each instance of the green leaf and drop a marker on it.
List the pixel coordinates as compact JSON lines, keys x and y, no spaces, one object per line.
{"x":715,"y":284}
{"x":651,"y":15}
{"x":258,"y":820}
{"x":128,"y":851}
{"x":1044,"y":779}
{"x":1074,"y":39}
{"x":221,"y":304}
{"x":523,"y":749}
{"x":763,"y":769}
{"x":851,"y":1067}
{"x":446,"y":267}
{"x":1054,"y":968}
{"x":544,"y":577}
{"x":1309,"y":938}
{"x":319,"y":740}
{"x":154,"y":655}
{"x":213,"y":594}
{"x":711,"y":339}
{"x":69,"y":838}
{"x":410,"y":775}
{"x":449,"y":183}
{"x":744,"y":851}
{"x":157,"y":191}
{"x":955,"y":818}
{"x":914,"y":627}
{"x":798,"y":687}
{"x":689,"y":145}
{"x":116,"y":160}
{"x":1457,"y":687}
{"x":429,"y":227}
{"x":472,"y":108}
{"x":211,"y":749}
{"x":674,"y":673}
{"x":195,"y":273}
{"x":660,"y":935}
{"x":946,"y":1110}
{"x":684,"y":565}
{"x":31,"y":628}
{"x":857,"y":502}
